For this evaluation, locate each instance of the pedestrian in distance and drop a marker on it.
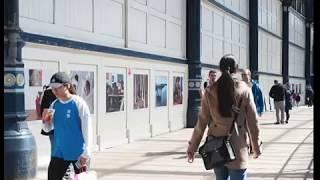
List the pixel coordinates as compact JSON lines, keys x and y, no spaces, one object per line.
{"x":297,"y":99}
{"x":69,"y":116}
{"x":309,"y":95}
{"x":288,"y":101}
{"x":216,"y":110}
{"x":277,"y":92}
{"x":256,"y":90}
{"x":47,"y":98}
{"x":212,"y":77}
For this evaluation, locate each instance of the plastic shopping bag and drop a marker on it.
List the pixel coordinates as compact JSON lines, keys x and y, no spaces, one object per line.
{"x":87,"y":175}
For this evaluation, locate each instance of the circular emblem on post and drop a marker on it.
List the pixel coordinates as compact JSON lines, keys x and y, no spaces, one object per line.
{"x":9,"y":80}
{"x":20,"y":79}
{"x":191,"y":84}
{"x":198,"y":84}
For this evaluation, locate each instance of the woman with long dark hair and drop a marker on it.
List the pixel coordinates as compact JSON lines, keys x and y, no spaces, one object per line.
{"x":216,"y":110}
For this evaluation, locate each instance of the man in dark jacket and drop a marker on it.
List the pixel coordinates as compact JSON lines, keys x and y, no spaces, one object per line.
{"x":277,"y":92}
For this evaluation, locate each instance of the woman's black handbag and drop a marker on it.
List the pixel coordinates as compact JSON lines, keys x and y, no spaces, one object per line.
{"x":218,"y":150}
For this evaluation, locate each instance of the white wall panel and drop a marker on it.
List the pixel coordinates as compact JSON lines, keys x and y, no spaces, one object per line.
{"x":296,"y":61}
{"x":269,"y":53}
{"x":206,"y":19}
{"x":206,"y":48}
{"x":227,"y":28}
{"x":218,"y":24}
{"x":165,"y":30}
{"x":236,"y":6}
{"x":174,"y":38}
{"x":157,"y":31}
{"x":108,"y":18}
{"x":144,"y":2}
{"x":41,"y":10}
{"x":138,"y":26}
{"x":228,"y":3}
{"x":227,"y":48}
{"x":218,"y":50}
{"x":291,"y":27}
{"x":296,"y":30}
{"x":244,"y":8}
{"x":175,"y":8}
{"x":69,"y":14}
{"x":270,"y":15}
{"x":155,"y":26}
{"x":158,"y":5}
{"x":230,"y":35}
{"x":235,"y":32}
{"x":236,"y":52}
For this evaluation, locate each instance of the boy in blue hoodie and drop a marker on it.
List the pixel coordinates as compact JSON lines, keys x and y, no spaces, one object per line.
{"x":72,"y":126}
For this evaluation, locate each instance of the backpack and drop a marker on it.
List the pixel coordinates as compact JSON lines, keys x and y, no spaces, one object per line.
{"x":47,"y":98}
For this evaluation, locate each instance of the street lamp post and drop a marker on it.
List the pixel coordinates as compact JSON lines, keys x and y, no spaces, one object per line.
{"x":20,"y":155}
{"x":285,"y":40}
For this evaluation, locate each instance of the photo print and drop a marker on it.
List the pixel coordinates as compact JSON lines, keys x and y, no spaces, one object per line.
{"x":177,"y":90}
{"x":83,"y":82}
{"x":114,"y":92}
{"x":161,"y":89}
{"x":35,"y":77}
{"x":140,"y":88}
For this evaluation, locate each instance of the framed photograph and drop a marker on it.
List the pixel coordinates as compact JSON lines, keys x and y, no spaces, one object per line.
{"x":83,"y":82}
{"x":114,"y":92}
{"x":140,"y":88}
{"x":177,"y":90}
{"x":161,"y":90}
{"x":35,"y":77}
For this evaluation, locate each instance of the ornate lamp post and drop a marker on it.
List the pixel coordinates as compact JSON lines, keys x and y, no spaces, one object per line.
{"x":285,"y":40}
{"x":20,"y":155}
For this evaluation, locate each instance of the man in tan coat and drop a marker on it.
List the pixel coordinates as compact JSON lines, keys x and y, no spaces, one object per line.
{"x":216,"y":109}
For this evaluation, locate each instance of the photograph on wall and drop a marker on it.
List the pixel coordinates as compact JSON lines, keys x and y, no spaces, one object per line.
{"x":177,"y":90}
{"x":114,"y":92}
{"x":35,"y":77}
{"x":83,"y":82}
{"x":33,"y":93}
{"x":161,"y":89}
{"x":140,"y":88}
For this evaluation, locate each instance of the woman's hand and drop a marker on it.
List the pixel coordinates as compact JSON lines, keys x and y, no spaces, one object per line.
{"x":257,"y":152}
{"x":190,"y":154}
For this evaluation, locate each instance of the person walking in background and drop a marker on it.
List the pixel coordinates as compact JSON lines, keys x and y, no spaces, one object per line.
{"x":256,"y":91}
{"x":216,"y":110}
{"x":212,"y":77}
{"x":288,"y":101}
{"x":47,"y":98}
{"x":297,"y":99}
{"x":277,"y":92}
{"x":309,"y":95}
{"x":70,"y":118}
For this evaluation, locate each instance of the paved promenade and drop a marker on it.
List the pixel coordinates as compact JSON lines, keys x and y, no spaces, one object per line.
{"x":287,"y":154}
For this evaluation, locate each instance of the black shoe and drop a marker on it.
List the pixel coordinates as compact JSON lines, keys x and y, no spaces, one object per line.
{"x":277,"y":123}
{"x":286,"y":121}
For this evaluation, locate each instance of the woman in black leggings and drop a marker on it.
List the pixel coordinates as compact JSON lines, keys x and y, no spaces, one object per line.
{"x":288,"y":101}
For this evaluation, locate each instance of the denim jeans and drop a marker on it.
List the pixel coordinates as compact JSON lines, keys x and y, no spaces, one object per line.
{"x":224,"y":173}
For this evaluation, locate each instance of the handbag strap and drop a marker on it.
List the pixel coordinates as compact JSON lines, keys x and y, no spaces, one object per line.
{"x":236,"y":110}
